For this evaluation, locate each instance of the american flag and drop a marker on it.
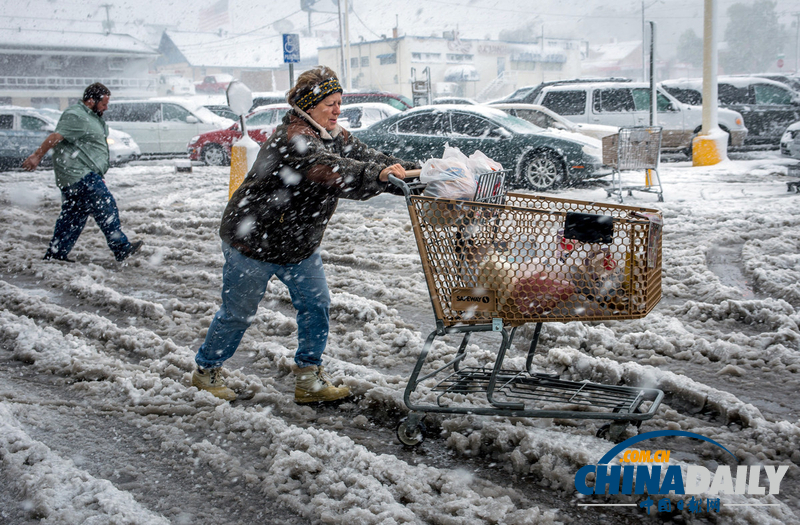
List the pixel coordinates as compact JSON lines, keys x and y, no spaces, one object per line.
{"x":214,"y":17}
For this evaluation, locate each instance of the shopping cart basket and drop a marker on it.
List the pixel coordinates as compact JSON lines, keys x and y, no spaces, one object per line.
{"x":635,"y":148}
{"x":507,"y":259}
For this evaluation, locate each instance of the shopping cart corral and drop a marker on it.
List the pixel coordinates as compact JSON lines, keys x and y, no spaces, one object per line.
{"x":504,"y":260}
{"x":637,"y":148}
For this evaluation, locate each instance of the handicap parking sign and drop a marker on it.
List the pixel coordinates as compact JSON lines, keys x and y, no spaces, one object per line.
{"x":291,"y":48}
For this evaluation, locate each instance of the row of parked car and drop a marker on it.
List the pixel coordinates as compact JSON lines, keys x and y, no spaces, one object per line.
{"x":22,"y":130}
{"x":548,"y":135}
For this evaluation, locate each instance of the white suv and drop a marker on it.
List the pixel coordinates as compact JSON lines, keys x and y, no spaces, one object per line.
{"x":627,"y":104}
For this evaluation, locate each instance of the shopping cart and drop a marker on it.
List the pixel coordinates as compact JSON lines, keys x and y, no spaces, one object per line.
{"x":635,"y":148}
{"x":507,"y":259}
{"x":793,"y":185}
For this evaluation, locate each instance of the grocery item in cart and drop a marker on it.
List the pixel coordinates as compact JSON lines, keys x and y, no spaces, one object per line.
{"x":525,"y":285}
{"x":448,"y":179}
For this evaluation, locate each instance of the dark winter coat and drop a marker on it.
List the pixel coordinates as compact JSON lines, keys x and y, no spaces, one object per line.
{"x":280,"y":212}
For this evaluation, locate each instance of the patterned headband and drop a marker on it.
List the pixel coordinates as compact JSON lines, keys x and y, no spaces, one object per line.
{"x":310,"y":97}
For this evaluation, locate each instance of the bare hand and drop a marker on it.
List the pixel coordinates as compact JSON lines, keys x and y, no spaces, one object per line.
{"x":31,"y":163}
{"x":395,"y":169}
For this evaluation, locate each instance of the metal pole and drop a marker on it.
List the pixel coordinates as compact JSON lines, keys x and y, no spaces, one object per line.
{"x":710,"y":119}
{"x":291,"y":75}
{"x":653,"y":93}
{"x":644,"y":58}
{"x":343,"y":71}
{"x":347,"y":46}
{"x":797,"y":44}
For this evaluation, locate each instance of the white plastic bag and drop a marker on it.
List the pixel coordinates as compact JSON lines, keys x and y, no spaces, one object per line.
{"x":449,"y":177}
{"x":479,"y":163}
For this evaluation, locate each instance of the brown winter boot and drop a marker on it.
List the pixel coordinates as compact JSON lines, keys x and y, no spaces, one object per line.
{"x":313,"y":385}
{"x":210,"y":381}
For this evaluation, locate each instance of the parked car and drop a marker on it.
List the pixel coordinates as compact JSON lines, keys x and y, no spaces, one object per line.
{"x":121,"y":146}
{"x":546,"y":118}
{"x":393,"y":99}
{"x":265,"y":98}
{"x":162,"y":126}
{"x":214,"y":147}
{"x":453,"y":100}
{"x":768,"y":107}
{"x":222,"y":111}
{"x":214,"y":83}
{"x":22,"y":130}
{"x":539,"y":159}
{"x":790,"y":80}
{"x":396,"y":101}
{"x":790,"y":141}
{"x":365,"y":114}
{"x":627,"y":104}
{"x":529,"y":94}
{"x":175,"y":85}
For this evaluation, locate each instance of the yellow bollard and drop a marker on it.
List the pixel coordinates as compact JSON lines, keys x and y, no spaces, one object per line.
{"x":710,"y":149}
{"x":238,"y":167}
{"x":243,"y":155}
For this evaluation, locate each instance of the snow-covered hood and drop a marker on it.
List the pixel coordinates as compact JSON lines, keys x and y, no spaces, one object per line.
{"x":575,"y":137}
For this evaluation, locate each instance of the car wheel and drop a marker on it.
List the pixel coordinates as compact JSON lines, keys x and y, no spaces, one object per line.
{"x":541,"y":170}
{"x":214,"y":155}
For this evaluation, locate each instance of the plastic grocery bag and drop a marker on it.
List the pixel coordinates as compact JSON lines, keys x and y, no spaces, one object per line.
{"x":479,"y":163}
{"x":449,"y":177}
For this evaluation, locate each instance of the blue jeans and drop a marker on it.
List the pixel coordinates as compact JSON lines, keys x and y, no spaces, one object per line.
{"x":244,"y":282}
{"x":88,"y":196}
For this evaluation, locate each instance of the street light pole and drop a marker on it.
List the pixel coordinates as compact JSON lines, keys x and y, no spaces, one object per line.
{"x":644,"y":56}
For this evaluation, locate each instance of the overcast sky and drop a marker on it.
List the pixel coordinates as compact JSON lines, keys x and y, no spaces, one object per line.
{"x":594,"y":20}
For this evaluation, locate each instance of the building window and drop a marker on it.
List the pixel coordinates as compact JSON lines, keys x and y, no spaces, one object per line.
{"x":364,"y":61}
{"x":552,"y":66}
{"x":524,"y":65}
{"x":354,"y":62}
{"x":115,"y":63}
{"x":52,"y":63}
{"x":454,"y":57}
{"x":426,"y":57}
{"x":388,"y":58}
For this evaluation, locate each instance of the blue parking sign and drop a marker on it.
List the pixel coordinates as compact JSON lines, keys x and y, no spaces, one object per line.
{"x":291,"y":48}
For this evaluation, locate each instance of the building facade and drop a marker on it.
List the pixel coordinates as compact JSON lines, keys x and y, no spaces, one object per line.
{"x":50,"y":68}
{"x":478,"y":69}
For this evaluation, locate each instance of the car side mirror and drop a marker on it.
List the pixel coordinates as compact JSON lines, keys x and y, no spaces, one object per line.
{"x":191,"y":119}
{"x":500,"y":133}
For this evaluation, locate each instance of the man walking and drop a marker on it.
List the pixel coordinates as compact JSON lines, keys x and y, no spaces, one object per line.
{"x":80,"y":159}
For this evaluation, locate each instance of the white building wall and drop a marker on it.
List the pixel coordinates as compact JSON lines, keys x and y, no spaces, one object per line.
{"x":524,"y":64}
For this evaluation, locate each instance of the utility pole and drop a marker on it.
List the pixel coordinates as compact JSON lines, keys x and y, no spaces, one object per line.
{"x":797,"y":43}
{"x":108,"y":25}
{"x":644,"y":57}
{"x":347,"y":45}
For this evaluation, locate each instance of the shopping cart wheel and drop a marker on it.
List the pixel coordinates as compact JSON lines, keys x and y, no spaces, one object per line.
{"x":612,"y":431}
{"x":410,"y":433}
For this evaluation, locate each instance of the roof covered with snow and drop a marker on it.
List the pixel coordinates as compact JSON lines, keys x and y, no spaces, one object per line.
{"x":66,"y":42}
{"x":253,"y":50}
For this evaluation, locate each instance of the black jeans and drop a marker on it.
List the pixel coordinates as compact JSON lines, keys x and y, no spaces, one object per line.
{"x":89,"y":196}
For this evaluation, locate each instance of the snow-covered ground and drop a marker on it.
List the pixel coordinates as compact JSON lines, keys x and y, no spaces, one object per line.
{"x":98,"y":424}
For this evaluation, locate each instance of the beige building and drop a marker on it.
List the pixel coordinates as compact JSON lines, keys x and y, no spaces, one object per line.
{"x":478,"y":69}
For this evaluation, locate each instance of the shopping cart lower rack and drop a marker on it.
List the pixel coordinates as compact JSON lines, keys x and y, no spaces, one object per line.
{"x":504,"y":260}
